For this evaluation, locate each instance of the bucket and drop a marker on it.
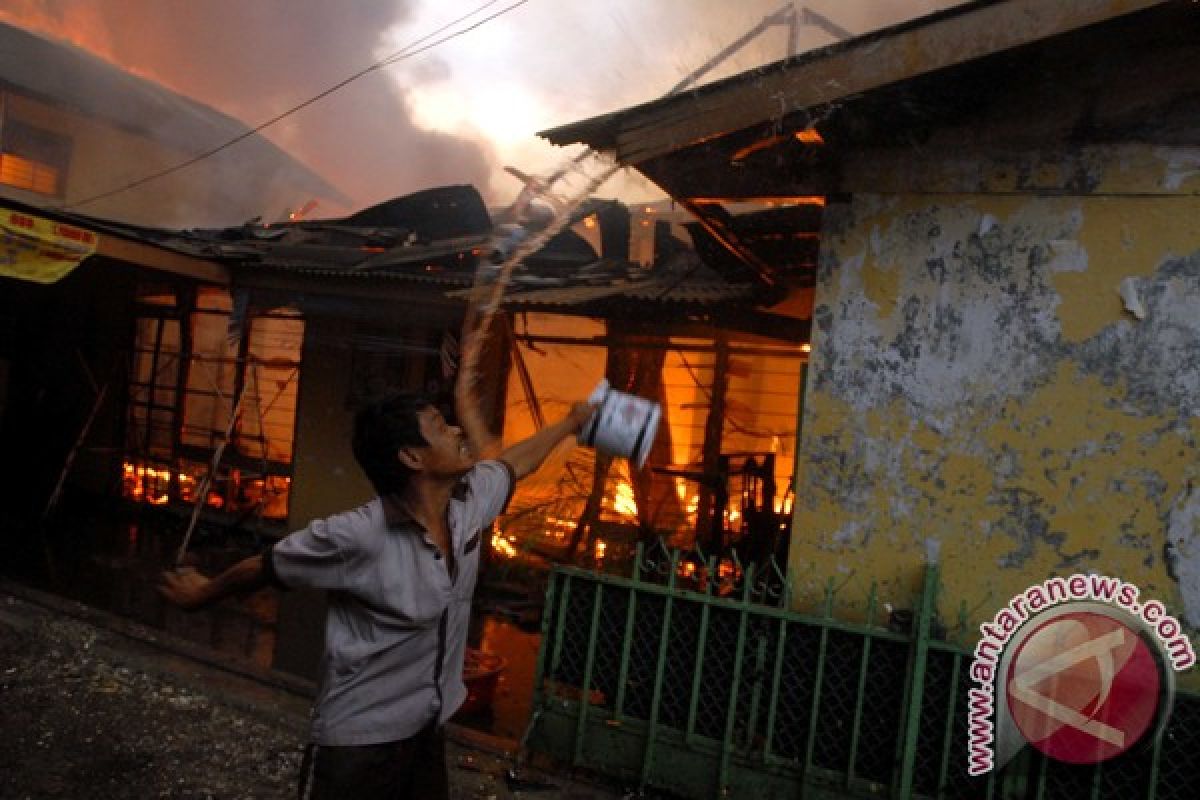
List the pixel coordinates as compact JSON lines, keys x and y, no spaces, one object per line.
{"x":623,"y":424}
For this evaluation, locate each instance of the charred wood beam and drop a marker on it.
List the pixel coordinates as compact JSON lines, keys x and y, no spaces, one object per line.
{"x":720,"y":232}
{"x":710,"y":171}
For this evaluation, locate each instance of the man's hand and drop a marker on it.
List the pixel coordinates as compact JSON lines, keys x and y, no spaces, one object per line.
{"x":185,"y":587}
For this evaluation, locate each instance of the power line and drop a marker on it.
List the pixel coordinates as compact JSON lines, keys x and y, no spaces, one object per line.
{"x":405,"y":52}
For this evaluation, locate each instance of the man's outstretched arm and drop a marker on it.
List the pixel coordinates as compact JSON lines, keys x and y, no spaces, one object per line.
{"x":189,"y":589}
{"x":527,"y":455}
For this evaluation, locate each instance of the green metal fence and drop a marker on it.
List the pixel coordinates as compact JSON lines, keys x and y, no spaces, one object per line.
{"x":669,"y":679}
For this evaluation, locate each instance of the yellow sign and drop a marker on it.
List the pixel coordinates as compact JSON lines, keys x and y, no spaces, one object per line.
{"x":41,"y":250}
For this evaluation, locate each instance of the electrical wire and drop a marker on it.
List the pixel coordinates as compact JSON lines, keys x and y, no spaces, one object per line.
{"x":404,"y":53}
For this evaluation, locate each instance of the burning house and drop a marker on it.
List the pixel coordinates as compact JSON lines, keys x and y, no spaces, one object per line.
{"x":213,"y":379}
{"x":73,"y":128}
{"x":996,"y":233}
{"x":1001,"y":388}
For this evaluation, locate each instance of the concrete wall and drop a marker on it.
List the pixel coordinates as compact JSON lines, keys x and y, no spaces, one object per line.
{"x":979,"y":390}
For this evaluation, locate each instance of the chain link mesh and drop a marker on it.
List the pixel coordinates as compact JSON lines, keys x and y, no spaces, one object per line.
{"x":794,"y":703}
{"x":610,"y":641}
{"x":577,"y":624}
{"x":883,"y":710}
{"x":682,"y":639}
{"x":716,"y":680}
{"x":839,"y":690}
{"x":1178,"y":776}
{"x":935,"y":706}
{"x":643,"y":654}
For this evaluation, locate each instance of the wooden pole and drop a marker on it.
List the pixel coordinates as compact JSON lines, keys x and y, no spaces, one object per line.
{"x":56,"y":495}
{"x":202,"y":494}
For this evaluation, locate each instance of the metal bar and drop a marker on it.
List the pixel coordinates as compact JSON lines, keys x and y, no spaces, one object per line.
{"x":539,"y":669}
{"x":863,"y":663}
{"x":917,"y":682}
{"x":773,"y":704}
{"x":948,"y":734}
{"x":656,"y":697}
{"x":1043,"y":765}
{"x":1097,"y":780}
{"x":731,"y":710}
{"x":698,"y":663}
{"x":1155,"y":758}
{"x":626,"y":646}
{"x":769,"y":611}
{"x":760,"y":663}
{"x":585,"y":696}
{"x":610,"y":340}
{"x":560,"y":623}
{"x":815,"y":709}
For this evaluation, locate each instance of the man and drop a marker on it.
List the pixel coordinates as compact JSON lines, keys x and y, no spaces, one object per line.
{"x":400,"y":572}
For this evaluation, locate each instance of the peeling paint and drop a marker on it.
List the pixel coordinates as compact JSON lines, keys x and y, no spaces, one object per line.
{"x":1183,"y":551}
{"x":1002,"y":406}
{"x":1131,"y":295}
{"x":1181,"y":164}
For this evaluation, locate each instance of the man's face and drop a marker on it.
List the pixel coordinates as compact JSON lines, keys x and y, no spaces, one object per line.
{"x":448,"y":454}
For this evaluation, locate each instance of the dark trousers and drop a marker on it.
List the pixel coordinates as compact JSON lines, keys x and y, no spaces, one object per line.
{"x":411,"y":768}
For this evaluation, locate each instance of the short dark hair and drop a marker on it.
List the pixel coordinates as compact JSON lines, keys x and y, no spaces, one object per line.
{"x":381,"y":428}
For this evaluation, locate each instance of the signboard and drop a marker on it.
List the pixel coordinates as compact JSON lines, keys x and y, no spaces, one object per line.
{"x":41,"y":250}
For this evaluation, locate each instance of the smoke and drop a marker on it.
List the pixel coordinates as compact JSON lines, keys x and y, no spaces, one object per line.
{"x":253,"y":60}
{"x":544,"y":65}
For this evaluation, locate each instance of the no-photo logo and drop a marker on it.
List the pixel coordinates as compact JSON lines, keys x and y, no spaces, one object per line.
{"x":1083,"y":687}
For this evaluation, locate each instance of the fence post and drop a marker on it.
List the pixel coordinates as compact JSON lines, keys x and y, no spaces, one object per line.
{"x":664,"y":636}
{"x":916,"y":688}
{"x":734,"y":690}
{"x":589,"y":662}
{"x":864,"y":665}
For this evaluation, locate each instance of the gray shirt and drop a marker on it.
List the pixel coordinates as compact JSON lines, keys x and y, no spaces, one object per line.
{"x":396,"y":629}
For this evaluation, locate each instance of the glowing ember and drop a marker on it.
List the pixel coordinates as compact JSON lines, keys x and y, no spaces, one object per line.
{"x":810,"y":136}
{"x":623,"y":502}
{"x":601,"y":548}
{"x":502,"y":546}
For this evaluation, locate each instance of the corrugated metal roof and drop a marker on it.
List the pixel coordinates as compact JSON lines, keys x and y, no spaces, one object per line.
{"x":833,"y":74}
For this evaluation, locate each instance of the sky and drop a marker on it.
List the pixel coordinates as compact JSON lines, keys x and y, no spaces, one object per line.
{"x":458,"y":113}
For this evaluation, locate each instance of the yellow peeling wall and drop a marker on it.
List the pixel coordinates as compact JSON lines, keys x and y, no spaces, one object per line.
{"x":981,"y":393}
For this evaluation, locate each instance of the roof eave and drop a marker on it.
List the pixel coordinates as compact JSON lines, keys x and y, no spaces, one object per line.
{"x":823,"y":77}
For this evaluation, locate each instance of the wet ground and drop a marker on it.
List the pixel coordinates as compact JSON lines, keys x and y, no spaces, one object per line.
{"x":94,"y":706}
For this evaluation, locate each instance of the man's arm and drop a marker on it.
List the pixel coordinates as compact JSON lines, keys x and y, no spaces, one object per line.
{"x":189,"y":589}
{"x":526,"y":456}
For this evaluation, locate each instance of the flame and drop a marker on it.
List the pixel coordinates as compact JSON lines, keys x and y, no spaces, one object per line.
{"x":810,"y":136}
{"x":601,"y":548}
{"x":502,"y":546}
{"x":623,"y":501}
{"x":83,"y":27}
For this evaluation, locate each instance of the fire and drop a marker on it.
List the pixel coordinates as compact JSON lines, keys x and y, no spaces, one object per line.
{"x":601,"y":548}
{"x":502,"y":545}
{"x":810,"y":136}
{"x":623,"y":501}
